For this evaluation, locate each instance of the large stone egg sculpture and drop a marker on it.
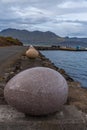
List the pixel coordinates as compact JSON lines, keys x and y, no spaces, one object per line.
{"x":37,"y":91}
{"x":32,"y":52}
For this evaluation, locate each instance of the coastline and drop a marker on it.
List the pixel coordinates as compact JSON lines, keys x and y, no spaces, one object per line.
{"x":77,"y":95}
{"x":62,"y":48}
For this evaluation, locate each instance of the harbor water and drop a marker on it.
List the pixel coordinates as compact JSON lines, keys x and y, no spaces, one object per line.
{"x":74,"y":63}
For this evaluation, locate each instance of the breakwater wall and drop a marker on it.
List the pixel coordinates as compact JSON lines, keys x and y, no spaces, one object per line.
{"x":59,"y":48}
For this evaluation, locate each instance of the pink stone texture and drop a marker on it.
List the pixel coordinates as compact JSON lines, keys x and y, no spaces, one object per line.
{"x":37,"y":91}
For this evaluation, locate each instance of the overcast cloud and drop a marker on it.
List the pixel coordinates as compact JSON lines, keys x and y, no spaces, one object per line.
{"x":63,"y":17}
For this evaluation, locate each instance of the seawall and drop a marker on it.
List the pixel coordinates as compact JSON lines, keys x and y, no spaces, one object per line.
{"x":72,"y":115}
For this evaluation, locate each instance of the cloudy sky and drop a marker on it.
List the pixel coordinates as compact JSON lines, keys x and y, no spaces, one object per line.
{"x":63,"y":17}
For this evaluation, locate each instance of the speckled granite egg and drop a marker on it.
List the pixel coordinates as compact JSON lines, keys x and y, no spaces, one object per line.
{"x":32,"y":52}
{"x":37,"y":91}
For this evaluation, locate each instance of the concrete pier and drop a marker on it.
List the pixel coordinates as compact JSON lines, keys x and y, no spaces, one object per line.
{"x":69,"y":118}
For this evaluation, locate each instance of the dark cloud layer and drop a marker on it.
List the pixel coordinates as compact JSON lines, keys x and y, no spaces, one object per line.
{"x":64,"y":17}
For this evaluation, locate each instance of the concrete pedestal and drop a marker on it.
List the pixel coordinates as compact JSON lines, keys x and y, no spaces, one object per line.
{"x":69,"y":118}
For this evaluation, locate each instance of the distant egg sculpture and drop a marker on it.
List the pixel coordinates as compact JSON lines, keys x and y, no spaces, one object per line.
{"x":37,"y":91}
{"x":32,"y":52}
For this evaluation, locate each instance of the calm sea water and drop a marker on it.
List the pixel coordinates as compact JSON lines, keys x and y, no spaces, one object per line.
{"x":74,"y":63}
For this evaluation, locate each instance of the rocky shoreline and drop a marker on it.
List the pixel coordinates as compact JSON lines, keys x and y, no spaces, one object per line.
{"x":62,"y":48}
{"x":77,"y":95}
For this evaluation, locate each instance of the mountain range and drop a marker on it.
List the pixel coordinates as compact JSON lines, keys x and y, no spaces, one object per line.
{"x":43,"y":38}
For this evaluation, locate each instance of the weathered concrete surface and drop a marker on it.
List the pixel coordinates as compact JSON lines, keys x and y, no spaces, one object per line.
{"x":9,"y":54}
{"x":69,"y":118}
